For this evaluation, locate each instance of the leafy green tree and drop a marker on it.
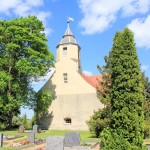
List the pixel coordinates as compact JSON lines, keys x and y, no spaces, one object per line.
{"x":99,"y":120}
{"x":40,"y":104}
{"x":16,"y":121}
{"x":24,"y":57}
{"x":126,"y":98}
{"x":24,"y":120}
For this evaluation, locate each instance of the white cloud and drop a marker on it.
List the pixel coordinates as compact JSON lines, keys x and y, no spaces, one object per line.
{"x":35,"y":2}
{"x":6,"y":6}
{"x":19,"y":7}
{"x":132,"y":7}
{"x":140,"y":27}
{"x":47,"y":31}
{"x":25,"y":8}
{"x":144,"y":67}
{"x":98,"y":15}
{"x":87,"y":73}
{"x":42,"y":15}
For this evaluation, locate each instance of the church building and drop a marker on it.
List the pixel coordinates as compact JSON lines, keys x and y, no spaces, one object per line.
{"x":75,"y":97}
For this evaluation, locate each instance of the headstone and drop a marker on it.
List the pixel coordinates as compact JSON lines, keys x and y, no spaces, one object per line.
{"x":148,"y":146}
{"x":35,"y":128}
{"x":55,"y":143}
{"x":31,"y":137}
{"x":101,"y":144}
{"x":5,"y":138}
{"x":1,"y":139}
{"x":21,"y":128}
{"x":72,"y":139}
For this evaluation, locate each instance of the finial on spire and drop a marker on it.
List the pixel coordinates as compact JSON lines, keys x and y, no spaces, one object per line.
{"x":68,"y":20}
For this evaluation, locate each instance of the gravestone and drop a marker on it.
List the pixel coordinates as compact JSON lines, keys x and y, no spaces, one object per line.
{"x":1,"y":139}
{"x":35,"y":128}
{"x":101,"y":144}
{"x":21,"y":128}
{"x":31,"y":137}
{"x":148,"y":146}
{"x":55,"y":143}
{"x":72,"y":139}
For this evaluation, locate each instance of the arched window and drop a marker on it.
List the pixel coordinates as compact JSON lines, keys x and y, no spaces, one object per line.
{"x":67,"y":120}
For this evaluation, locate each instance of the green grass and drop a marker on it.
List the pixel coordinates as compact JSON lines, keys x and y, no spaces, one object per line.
{"x":85,"y":135}
{"x":147,"y":140}
{"x":12,"y":133}
{"x":8,"y":148}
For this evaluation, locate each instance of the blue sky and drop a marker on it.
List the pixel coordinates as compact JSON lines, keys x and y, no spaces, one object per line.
{"x":94,"y":26}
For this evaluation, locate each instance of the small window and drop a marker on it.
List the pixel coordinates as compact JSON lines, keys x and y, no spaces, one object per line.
{"x":65,"y":51}
{"x":65,"y":76}
{"x":67,"y":120}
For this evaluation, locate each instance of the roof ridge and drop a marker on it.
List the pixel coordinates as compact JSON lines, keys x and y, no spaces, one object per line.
{"x":92,"y":81}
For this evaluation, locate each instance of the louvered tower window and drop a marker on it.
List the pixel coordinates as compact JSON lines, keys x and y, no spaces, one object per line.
{"x":65,"y":51}
{"x":65,"y":76}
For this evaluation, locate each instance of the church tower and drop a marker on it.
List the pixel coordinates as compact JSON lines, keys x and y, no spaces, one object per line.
{"x":75,"y":98}
{"x":68,"y":48}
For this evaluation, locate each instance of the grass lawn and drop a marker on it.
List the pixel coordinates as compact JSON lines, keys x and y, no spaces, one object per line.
{"x":85,"y":135}
{"x":147,"y":140}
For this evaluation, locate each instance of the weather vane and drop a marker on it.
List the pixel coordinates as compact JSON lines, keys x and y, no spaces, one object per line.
{"x":68,"y":20}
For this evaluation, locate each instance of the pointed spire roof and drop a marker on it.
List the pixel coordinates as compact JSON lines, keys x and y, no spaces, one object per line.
{"x":68,"y":32}
{"x":68,"y":38}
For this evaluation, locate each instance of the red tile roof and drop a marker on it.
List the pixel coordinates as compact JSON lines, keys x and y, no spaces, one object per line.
{"x":93,"y":80}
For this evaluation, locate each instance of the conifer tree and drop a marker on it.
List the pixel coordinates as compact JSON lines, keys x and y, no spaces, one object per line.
{"x":101,"y":118}
{"x":126,"y":98}
{"x":146,"y":91}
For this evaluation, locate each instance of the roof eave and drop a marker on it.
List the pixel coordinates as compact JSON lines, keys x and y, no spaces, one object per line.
{"x":68,"y":44}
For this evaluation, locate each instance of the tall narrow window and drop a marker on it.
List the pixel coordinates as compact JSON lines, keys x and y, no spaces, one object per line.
{"x":65,"y":76}
{"x":65,"y":51}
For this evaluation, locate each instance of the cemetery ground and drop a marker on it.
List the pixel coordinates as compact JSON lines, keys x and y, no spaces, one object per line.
{"x":85,"y":136}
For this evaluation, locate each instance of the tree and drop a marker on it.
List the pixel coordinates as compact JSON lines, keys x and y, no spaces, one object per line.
{"x":126,"y":98}
{"x":101,"y":118}
{"x":99,"y":121}
{"x":146,"y":83}
{"x":24,"y":56}
{"x":40,"y":103}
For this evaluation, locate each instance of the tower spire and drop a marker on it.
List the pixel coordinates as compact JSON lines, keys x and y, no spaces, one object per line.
{"x":68,"y":37}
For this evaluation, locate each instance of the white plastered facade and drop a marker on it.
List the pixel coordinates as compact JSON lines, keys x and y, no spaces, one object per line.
{"x":75,"y":100}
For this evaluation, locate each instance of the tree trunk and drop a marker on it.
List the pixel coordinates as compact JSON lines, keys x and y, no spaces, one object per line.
{"x":9,"y":121}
